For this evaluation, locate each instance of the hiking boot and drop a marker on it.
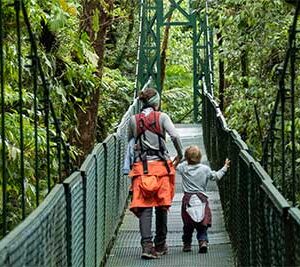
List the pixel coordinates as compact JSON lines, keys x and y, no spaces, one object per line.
{"x":187,"y":247}
{"x":148,"y":251}
{"x":161,"y":249}
{"x":202,"y":246}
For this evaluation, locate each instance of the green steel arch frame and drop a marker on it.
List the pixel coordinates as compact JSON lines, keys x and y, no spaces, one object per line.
{"x":154,"y":16}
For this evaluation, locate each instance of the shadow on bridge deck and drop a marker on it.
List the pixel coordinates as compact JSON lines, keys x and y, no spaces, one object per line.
{"x":127,"y":250}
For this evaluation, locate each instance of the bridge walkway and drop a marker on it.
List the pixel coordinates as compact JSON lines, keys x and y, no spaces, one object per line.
{"x":126,"y":251}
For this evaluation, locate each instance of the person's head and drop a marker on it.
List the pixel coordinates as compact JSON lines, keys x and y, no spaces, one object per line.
{"x":150,"y":98}
{"x":193,"y":155}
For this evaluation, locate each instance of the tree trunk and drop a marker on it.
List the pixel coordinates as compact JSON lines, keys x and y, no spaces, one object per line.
{"x":244,"y":67}
{"x":87,"y":113}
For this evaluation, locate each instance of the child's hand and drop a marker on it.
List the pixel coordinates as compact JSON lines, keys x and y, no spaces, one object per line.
{"x":176,"y":161}
{"x":227,"y":163}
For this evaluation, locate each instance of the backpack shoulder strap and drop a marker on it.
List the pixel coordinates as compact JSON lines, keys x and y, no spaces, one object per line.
{"x":150,"y":123}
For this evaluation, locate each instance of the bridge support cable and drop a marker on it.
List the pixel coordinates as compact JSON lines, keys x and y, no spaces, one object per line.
{"x":3,"y":137}
{"x":34,"y":142}
{"x":21,"y":134}
{"x":280,"y":150}
{"x":263,"y":224}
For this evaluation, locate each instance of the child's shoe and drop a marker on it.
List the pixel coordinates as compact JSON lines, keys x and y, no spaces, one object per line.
{"x":187,"y":247}
{"x":202,"y":246}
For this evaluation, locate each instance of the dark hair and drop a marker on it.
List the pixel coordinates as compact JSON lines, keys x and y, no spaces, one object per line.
{"x":146,"y":94}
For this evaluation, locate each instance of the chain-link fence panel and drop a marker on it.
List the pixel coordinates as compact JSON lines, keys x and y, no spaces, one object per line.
{"x":262,"y":226}
{"x":41,"y":240}
{"x":75,"y":219}
{"x":98,"y":154}
{"x":109,"y":154}
{"x":292,"y":244}
{"x":88,"y":172}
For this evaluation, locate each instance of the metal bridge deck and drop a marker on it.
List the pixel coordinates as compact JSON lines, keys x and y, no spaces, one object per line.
{"x":126,"y":251}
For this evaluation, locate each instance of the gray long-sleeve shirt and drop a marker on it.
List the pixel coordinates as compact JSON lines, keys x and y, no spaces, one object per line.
{"x":195,"y":177}
{"x":151,"y":139}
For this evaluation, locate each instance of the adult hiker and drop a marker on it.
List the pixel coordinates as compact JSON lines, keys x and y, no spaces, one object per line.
{"x":153,"y":174}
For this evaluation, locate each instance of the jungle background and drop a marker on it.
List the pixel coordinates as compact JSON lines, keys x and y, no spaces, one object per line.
{"x":88,"y":50}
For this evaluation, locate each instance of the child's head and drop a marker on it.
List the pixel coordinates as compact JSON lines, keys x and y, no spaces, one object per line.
{"x":193,"y":155}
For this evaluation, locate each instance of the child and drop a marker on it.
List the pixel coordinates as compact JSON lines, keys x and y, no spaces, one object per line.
{"x":195,"y":211}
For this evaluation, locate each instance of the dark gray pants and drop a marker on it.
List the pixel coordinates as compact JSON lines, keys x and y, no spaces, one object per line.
{"x":161,"y":219}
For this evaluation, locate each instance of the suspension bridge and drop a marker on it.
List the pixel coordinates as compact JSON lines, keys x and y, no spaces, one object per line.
{"x":84,"y":221}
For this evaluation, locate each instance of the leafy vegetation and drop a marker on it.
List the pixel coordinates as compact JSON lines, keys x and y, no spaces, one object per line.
{"x":88,"y":54}
{"x":71,"y":66}
{"x":177,"y":98}
{"x":252,"y":40}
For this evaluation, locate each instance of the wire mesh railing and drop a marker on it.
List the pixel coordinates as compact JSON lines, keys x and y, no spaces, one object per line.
{"x":77,"y":222}
{"x":34,"y":155}
{"x":261,"y":223}
{"x":281,"y":147}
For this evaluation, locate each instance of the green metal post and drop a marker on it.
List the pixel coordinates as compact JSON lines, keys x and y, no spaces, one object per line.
{"x":140,"y":54}
{"x":295,"y":183}
{"x":205,"y":54}
{"x":195,"y":70}
{"x":211,"y":46}
{"x":104,"y":144}
{"x":159,"y":23}
{"x":154,"y":15}
{"x":149,"y":43}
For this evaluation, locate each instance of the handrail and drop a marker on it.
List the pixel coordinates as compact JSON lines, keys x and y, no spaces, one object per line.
{"x":262,"y":225}
{"x":257,"y":216}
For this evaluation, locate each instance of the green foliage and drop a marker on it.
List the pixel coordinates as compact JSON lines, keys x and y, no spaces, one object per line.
{"x":70,"y":67}
{"x":177,"y":98}
{"x":117,"y":95}
{"x":121,"y":44}
{"x":13,"y":158}
{"x":259,"y":28}
{"x":254,"y":44}
{"x":177,"y":92}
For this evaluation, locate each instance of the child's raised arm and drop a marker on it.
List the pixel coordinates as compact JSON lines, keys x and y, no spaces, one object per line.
{"x":217,"y":175}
